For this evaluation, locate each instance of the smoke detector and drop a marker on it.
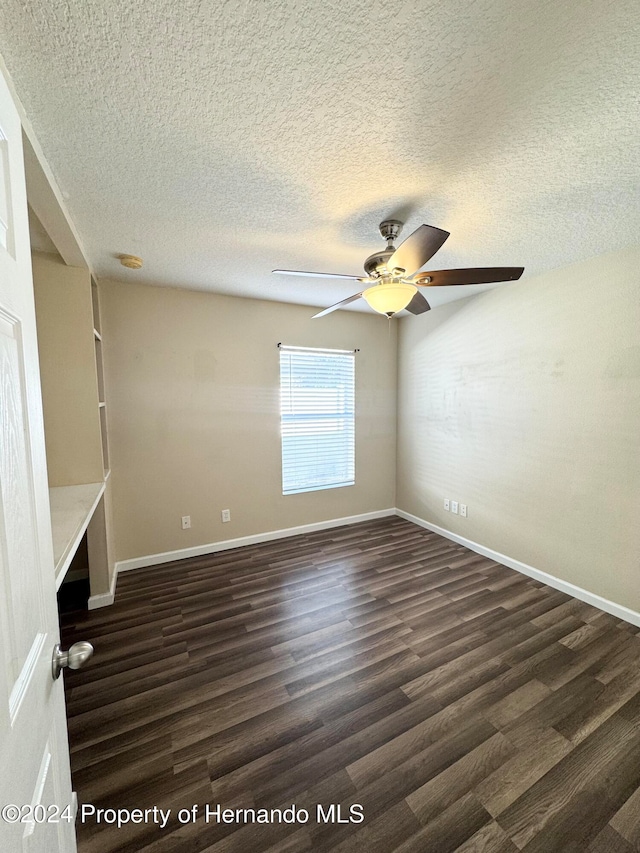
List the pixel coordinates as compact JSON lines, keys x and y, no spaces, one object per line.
{"x":132,"y":262}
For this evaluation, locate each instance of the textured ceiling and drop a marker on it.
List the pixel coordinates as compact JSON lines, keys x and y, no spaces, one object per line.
{"x":219,"y":140}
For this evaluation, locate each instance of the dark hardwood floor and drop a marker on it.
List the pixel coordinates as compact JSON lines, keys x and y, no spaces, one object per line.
{"x":464,"y":706}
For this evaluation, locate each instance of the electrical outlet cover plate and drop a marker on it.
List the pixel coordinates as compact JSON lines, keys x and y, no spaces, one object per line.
{"x":226,"y":515}
{"x":454,"y":507}
{"x":463,"y":510}
{"x":186,"y":522}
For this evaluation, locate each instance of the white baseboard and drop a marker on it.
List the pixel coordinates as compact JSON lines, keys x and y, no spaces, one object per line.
{"x":256,"y":539}
{"x":617,"y":610}
{"x":106,"y":598}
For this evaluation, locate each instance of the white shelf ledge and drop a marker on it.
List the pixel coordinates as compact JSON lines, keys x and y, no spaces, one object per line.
{"x":97,"y":335}
{"x":71,"y":510}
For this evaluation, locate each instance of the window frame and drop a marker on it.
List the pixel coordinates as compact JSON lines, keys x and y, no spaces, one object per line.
{"x":344,"y":414}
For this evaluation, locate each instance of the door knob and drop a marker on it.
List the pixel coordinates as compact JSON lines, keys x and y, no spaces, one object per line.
{"x":75,"y":657}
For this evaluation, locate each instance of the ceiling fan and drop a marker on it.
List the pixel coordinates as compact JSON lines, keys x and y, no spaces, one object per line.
{"x":394,"y":273}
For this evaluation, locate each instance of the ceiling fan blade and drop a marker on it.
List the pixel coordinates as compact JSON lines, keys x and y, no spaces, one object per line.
{"x":417,"y":249}
{"x":418,"y":304}
{"x":337,"y":305}
{"x":319,"y":274}
{"x":481,"y":275}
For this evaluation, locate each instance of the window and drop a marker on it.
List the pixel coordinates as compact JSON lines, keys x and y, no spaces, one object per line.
{"x":317,"y":419}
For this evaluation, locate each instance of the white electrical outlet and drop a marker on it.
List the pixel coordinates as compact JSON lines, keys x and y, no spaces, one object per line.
{"x":226,"y":515}
{"x":454,"y":507}
{"x":446,"y":504}
{"x":463,"y":510}
{"x":186,"y":522}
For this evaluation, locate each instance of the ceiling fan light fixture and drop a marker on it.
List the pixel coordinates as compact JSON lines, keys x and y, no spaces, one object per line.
{"x":389,"y":297}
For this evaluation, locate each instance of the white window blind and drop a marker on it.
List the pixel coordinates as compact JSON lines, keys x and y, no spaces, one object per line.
{"x":317,"y":392}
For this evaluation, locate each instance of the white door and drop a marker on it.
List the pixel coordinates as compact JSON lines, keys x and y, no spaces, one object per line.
{"x":35,"y":781}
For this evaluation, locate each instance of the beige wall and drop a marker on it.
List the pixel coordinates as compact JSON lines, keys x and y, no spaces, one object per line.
{"x":68,"y":371}
{"x":524,"y":403}
{"x":193,"y":405}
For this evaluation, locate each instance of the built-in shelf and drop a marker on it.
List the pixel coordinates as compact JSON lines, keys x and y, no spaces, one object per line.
{"x":71,"y":510}
{"x":95,"y":306}
{"x":103,"y":432}
{"x":99,"y":370}
{"x":70,"y":348}
{"x":102,"y":405}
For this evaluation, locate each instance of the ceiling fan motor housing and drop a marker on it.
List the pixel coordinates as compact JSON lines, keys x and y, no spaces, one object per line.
{"x":376,"y":264}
